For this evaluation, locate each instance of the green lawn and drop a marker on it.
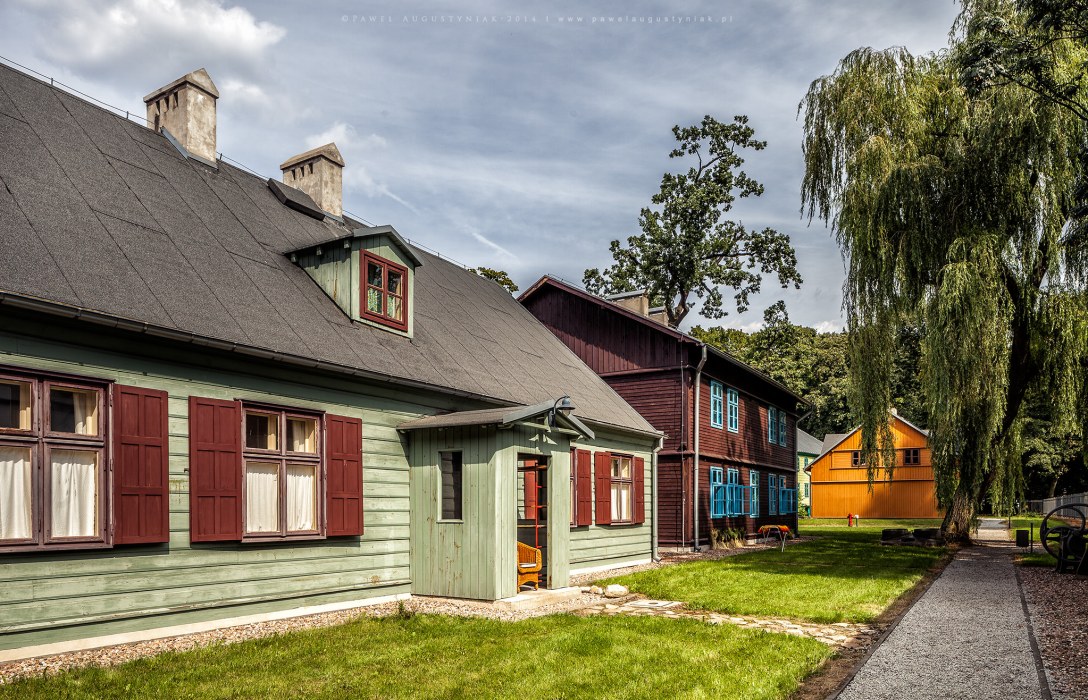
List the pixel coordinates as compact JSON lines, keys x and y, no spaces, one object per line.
{"x":845,"y":575}
{"x":866,"y":524}
{"x":424,"y":656}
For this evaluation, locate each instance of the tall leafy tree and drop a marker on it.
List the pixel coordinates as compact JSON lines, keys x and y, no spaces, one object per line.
{"x":954,"y":206}
{"x":500,"y":277}
{"x":689,"y":250}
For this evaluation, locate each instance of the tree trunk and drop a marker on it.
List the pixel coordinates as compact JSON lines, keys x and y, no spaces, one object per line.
{"x":957,"y":521}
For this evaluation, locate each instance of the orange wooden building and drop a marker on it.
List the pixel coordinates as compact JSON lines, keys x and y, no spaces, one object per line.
{"x":840,"y":482}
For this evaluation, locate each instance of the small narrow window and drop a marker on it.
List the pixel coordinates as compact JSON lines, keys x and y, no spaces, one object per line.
{"x":753,"y":479}
{"x":772,"y":424}
{"x":912,"y":456}
{"x":716,"y":404}
{"x":450,"y":468}
{"x":857,"y":459}
{"x":733,"y":407}
{"x":772,"y":494}
{"x":782,"y":432}
{"x":385,"y":294}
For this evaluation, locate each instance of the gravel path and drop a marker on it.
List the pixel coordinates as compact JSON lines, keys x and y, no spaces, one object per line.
{"x":967,"y":637}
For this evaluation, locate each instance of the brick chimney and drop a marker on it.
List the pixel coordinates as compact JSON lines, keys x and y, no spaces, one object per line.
{"x":632,"y":301}
{"x":319,"y":173}
{"x":186,"y":109}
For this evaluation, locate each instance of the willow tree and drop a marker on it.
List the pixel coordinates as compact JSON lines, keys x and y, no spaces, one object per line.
{"x":954,"y":208}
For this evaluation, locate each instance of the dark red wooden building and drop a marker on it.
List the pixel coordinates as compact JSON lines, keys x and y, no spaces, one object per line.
{"x":738,"y":445}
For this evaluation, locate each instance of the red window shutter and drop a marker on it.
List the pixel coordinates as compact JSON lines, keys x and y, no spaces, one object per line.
{"x":141,"y":456}
{"x":638,"y":514}
{"x":215,"y":470}
{"x":603,"y":468}
{"x":344,"y":476}
{"x":583,"y":488}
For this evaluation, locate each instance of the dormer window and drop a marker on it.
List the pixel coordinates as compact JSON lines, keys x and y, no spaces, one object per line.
{"x":385,"y":297}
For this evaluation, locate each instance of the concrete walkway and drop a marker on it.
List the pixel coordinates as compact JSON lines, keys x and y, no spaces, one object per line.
{"x":967,"y":637}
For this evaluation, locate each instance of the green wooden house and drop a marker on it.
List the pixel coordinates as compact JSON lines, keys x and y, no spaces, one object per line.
{"x":222,"y":399}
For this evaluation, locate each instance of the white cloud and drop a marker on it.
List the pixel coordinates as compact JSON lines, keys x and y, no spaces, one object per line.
{"x":828,"y":326}
{"x":357,"y":151}
{"x":105,"y":34}
{"x":480,"y":238}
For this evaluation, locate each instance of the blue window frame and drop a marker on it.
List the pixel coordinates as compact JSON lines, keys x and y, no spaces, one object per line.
{"x":772,"y":494}
{"x":734,"y":503}
{"x":782,"y":428}
{"x":717,"y":493}
{"x":753,"y":479}
{"x":716,"y":404}
{"x":732,"y":401}
{"x":772,"y":424}
{"x":787,"y":498}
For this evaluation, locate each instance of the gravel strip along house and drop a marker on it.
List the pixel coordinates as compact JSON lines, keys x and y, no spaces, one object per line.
{"x":223,"y":400}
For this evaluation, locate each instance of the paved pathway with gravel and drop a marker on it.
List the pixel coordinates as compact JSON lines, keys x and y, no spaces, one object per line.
{"x":966,"y":637}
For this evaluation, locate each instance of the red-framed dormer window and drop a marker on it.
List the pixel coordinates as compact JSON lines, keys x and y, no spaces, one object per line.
{"x":385,"y":292}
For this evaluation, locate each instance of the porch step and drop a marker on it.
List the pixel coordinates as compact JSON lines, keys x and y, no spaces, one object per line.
{"x":530,"y":600}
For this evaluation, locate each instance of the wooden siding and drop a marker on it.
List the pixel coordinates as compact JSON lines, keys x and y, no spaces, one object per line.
{"x":475,"y":557}
{"x":658,"y":397}
{"x":612,"y":545}
{"x":749,"y":445}
{"x":839,"y":488}
{"x":45,"y":595}
{"x":605,"y":340}
{"x":460,"y":558}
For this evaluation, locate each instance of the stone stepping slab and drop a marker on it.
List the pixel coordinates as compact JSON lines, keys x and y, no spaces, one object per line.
{"x":848,"y":635}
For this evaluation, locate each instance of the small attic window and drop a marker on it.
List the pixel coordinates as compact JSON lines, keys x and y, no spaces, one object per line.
{"x":385,"y":292}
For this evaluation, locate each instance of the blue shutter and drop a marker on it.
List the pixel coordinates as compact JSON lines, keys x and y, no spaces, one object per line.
{"x":753,"y":477}
{"x":715,"y":404}
{"x":717,"y":493}
{"x":734,"y":410}
{"x":732,"y":507}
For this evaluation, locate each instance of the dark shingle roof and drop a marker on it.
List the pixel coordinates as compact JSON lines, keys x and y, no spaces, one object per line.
{"x":807,"y":444}
{"x":104,"y":215}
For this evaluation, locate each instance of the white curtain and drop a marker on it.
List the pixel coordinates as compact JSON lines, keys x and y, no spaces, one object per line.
{"x":74,"y":488}
{"x":15,"y":493}
{"x":621,"y":501}
{"x":301,"y":497}
{"x":262,"y":497}
{"x":85,"y":406}
{"x":301,"y":434}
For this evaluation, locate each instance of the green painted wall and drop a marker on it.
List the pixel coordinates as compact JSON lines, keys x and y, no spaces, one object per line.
{"x":612,"y":545}
{"x":50,"y":597}
{"x":476,"y":558}
{"x":44,"y":594}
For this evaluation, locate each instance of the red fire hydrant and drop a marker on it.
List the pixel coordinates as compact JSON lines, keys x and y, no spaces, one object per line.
{"x":849,"y":520}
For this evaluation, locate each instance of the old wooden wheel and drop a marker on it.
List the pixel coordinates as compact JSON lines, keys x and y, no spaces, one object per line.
{"x":1064,"y":532}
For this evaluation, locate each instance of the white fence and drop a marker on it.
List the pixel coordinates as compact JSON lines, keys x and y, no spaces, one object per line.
{"x":1046,"y":505}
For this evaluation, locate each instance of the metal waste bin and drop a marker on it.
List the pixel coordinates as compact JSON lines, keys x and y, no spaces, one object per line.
{"x":1023,"y":539}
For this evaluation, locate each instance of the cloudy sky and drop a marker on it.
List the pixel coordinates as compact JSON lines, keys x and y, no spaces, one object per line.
{"x":512,"y":137}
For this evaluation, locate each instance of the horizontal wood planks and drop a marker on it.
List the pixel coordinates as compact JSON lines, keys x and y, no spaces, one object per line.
{"x":46,"y":594}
